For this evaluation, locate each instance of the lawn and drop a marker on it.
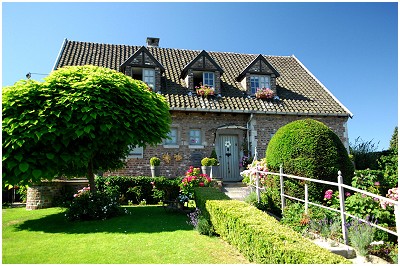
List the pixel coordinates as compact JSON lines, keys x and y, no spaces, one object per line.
{"x":148,"y":235}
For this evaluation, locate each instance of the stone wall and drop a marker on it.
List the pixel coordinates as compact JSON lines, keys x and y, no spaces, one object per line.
{"x":42,"y":195}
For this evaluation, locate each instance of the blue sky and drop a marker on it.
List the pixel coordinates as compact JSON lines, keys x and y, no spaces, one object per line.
{"x":352,"y":48}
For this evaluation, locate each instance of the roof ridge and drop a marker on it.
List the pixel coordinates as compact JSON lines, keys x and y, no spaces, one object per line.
{"x":180,"y":49}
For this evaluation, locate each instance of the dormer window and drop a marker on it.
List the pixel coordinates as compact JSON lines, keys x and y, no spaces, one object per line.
{"x":258,"y":82}
{"x":143,"y":66}
{"x":202,"y":71}
{"x":258,"y":74}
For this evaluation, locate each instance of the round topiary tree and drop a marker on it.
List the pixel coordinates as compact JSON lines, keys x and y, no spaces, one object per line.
{"x":80,"y":120}
{"x":310,"y":149}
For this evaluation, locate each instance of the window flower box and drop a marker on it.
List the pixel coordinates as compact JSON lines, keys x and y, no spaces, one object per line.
{"x":204,"y":90}
{"x":264,"y":93}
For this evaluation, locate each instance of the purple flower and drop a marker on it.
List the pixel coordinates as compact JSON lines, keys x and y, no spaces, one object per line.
{"x":347,"y":194}
{"x":377,"y":184}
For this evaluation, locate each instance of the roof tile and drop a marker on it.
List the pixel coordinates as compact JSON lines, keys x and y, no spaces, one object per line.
{"x":299,"y":91}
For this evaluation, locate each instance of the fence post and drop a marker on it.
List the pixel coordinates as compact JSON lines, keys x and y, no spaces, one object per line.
{"x":342,"y":207}
{"x":257,"y":186}
{"x":282,"y":190}
{"x":306,"y":198}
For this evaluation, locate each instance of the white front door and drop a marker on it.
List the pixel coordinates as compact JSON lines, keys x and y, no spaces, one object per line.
{"x":228,"y":151}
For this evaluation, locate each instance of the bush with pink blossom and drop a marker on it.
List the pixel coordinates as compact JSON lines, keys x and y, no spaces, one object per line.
{"x":194,"y":178}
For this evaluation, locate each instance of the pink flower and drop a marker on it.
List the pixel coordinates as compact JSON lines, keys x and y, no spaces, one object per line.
{"x":201,"y":184}
{"x":377,"y":184}
{"x":347,"y":194}
{"x":328,"y":194}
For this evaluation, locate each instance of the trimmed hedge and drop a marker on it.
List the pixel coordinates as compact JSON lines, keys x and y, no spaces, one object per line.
{"x":258,"y":236}
{"x":311,"y":149}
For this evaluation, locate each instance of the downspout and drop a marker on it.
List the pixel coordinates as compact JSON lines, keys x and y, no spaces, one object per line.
{"x":248,"y":133}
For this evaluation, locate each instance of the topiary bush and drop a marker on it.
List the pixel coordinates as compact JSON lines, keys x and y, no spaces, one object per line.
{"x":310,"y":149}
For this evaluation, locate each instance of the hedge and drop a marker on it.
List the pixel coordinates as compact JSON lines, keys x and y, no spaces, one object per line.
{"x":258,"y":236}
{"x":170,"y":187}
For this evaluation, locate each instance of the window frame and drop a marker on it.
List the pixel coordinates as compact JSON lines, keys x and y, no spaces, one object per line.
{"x":200,"y":138}
{"x":262,"y":80}
{"x":135,"y":155}
{"x":145,"y":77}
{"x":206,"y":78}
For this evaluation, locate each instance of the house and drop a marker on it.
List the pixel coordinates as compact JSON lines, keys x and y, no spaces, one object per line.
{"x":232,"y":121}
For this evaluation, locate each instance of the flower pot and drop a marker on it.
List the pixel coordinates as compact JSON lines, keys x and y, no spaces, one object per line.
{"x":204,"y":170}
{"x":214,"y":172}
{"x":155,"y":171}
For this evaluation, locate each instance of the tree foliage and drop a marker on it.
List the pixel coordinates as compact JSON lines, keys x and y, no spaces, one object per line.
{"x":79,"y":120}
{"x":389,"y":163}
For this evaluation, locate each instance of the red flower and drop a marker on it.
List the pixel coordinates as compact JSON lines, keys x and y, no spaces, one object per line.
{"x":201,"y":184}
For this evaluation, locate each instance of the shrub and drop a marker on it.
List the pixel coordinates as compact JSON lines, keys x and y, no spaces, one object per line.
{"x":259,"y":237}
{"x":364,"y":154}
{"x":360,"y":236}
{"x":200,"y":223}
{"x":152,"y":189}
{"x":193,"y":179}
{"x":88,"y":205}
{"x":309,"y":148}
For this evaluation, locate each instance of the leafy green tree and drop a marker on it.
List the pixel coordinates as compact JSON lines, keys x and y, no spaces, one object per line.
{"x":389,"y":162}
{"x":393,"y":145}
{"x":80,"y":120}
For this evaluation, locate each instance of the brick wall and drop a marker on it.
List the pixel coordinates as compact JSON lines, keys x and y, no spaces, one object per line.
{"x":175,"y":160}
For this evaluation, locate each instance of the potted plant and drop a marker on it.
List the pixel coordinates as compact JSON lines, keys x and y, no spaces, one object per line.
{"x":155,"y":166}
{"x":204,"y":163}
{"x":209,"y":166}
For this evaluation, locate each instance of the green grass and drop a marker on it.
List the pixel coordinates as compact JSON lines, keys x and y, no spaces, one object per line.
{"x":147,"y":235}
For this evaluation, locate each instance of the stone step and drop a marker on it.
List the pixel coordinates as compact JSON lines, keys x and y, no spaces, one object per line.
{"x":237,"y":192}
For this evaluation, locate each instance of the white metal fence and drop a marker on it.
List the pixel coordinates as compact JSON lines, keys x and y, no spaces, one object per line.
{"x":256,"y":174}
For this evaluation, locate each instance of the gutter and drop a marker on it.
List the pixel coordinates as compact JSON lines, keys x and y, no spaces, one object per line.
{"x":230,"y":111}
{"x":60,"y":53}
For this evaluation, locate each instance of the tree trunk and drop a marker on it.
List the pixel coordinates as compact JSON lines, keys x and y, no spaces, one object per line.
{"x":90,"y":176}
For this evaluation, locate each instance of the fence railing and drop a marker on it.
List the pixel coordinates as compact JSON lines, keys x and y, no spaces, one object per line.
{"x":256,"y":174}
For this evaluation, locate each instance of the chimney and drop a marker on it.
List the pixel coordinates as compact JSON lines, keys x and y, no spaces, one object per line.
{"x":152,"y":42}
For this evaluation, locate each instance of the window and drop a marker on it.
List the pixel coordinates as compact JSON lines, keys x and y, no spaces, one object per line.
{"x":258,"y":82}
{"x":208,"y":79}
{"x":173,"y":134}
{"x":149,"y":77}
{"x":195,"y":137}
{"x":135,"y":152}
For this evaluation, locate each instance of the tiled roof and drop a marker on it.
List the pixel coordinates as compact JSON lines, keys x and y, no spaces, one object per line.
{"x":299,"y":91}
